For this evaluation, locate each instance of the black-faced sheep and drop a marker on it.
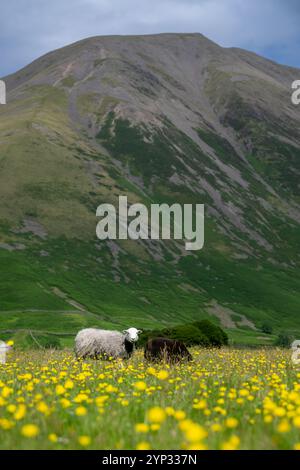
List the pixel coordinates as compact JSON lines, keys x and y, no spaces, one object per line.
{"x":95,"y":343}
{"x":170,"y":350}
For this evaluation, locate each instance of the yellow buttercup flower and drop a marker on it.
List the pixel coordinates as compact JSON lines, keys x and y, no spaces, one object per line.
{"x":42,"y":407}
{"x":231,"y":423}
{"x":6,"y":392}
{"x":6,"y":424}
{"x":179,"y":415}
{"x":268,"y":419}
{"x":232,"y":443}
{"x":11,"y":408}
{"x":60,"y":390}
{"x":195,"y":433}
{"x":143,"y":446}
{"x":279,"y":411}
{"x":197,"y":446}
{"x":84,"y":441}
{"x":81,"y":411}
{"x":162,"y":375}
{"x":200,"y":405}
{"x":296,"y":421}
{"x":30,"y":430}
{"x":53,"y":437}
{"x":140,"y":385}
{"x":283,"y":426}
{"x":216,"y":427}
{"x":169,"y":411}
{"x":65,"y":403}
{"x":69,"y":384}
{"x":185,"y":424}
{"x":20,"y":412}
{"x":156,"y":415}
{"x":141,"y":427}
{"x":154,"y":427}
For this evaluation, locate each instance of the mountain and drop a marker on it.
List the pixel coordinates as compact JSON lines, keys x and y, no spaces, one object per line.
{"x":160,"y":118}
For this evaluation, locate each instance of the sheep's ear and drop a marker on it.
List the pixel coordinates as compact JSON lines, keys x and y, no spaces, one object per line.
{"x":140,"y":331}
{"x":124,"y":332}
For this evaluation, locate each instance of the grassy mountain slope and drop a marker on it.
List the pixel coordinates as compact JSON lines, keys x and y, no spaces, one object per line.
{"x":165,"y":118}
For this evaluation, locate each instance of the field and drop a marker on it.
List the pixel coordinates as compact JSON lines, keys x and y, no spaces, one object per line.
{"x":224,"y":399}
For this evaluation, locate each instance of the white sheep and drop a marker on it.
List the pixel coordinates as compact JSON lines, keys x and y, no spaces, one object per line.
{"x":95,"y":343}
{"x":296,"y":351}
{"x":4,"y":348}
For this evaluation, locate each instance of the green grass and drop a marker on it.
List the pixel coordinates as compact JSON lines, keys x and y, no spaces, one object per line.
{"x":55,"y":173}
{"x":28,"y":285}
{"x":224,"y":399}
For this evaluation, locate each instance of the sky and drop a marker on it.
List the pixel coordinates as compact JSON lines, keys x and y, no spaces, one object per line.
{"x":31,"y":28}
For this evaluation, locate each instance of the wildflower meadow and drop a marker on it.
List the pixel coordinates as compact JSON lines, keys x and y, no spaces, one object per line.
{"x":223,"y":399}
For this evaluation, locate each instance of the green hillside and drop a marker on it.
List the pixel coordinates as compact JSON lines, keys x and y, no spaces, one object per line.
{"x":166,"y":118}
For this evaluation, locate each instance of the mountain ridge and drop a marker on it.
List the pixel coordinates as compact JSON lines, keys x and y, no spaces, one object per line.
{"x":161,"y":118}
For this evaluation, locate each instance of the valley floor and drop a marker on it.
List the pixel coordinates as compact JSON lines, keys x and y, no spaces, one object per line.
{"x":223,"y":399}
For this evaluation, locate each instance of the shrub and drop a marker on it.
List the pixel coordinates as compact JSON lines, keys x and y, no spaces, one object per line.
{"x":189,"y":334}
{"x":215,"y":334}
{"x":203,"y":333}
{"x":267,"y":328}
{"x":284,"y":340}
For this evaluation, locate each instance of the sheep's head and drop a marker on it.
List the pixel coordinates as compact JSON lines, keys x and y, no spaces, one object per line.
{"x":132,"y":334}
{"x":295,"y":345}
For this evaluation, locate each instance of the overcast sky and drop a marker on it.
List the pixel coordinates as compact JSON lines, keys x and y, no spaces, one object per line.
{"x":30,"y":28}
